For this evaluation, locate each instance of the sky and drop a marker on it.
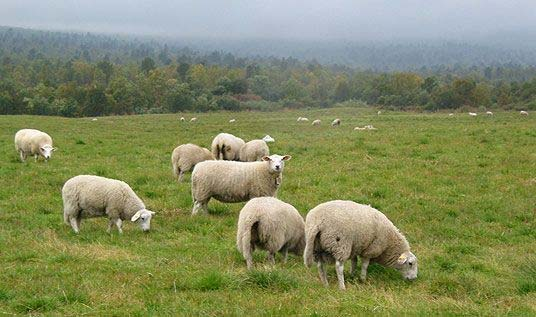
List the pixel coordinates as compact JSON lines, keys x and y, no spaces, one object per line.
{"x":278,"y":19}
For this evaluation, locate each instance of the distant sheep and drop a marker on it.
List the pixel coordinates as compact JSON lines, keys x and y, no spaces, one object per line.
{"x":300,"y":119}
{"x":232,"y":182}
{"x":227,"y":147}
{"x":379,"y":112}
{"x":88,"y":196}
{"x":185,"y":156}
{"x":523,"y":113}
{"x":316,"y":122}
{"x":193,"y":119}
{"x":451,"y":114}
{"x":232,"y":121}
{"x":489,"y":113}
{"x":340,"y":230}
{"x":270,"y":224}
{"x":473,"y":114}
{"x":336,"y":122}
{"x":33,"y":142}
{"x":367,"y":127}
{"x":268,"y":139}
{"x":183,"y":119}
{"x":254,"y":150}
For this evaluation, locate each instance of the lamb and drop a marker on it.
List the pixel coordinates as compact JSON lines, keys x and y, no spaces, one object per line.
{"x":185,"y":156}
{"x":340,"y":230}
{"x":226,"y":146}
{"x":33,"y":142}
{"x":336,"y":122}
{"x":88,"y":196}
{"x":523,"y":113}
{"x":489,"y":113}
{"x":272,"y":225}
{"x":232,"y":182}
{"x":268,"y":138}
{"x":254,"y":150}
{"x":194,"y":119}
{"x":316,"y":122}
{"x":472,"y":114}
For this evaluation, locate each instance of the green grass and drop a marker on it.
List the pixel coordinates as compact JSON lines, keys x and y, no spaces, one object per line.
{"x":462,"y":189}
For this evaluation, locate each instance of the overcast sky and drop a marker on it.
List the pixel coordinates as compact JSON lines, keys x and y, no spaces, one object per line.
{"x":311,"y":19}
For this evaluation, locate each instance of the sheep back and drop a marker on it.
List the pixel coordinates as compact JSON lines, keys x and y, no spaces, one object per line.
{"x":253,"y":151}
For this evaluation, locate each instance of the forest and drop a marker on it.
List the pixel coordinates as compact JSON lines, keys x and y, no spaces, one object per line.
{"x":83,"y":74}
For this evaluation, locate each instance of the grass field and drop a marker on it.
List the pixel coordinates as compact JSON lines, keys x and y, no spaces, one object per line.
{"x":462,"y":189}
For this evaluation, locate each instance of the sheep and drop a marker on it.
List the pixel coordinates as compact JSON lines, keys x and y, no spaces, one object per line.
{"x":226,"y":146}
{"x":523,"y":113}
{"x":340,"y":230}
{"x":185,"y":156}
{"x":272,"y":225}
{"x":232,"y":182}
{"x":300,"y":119}
{"x":379,"y":112}
{"x":316,"y":122}
{"x":268,"y":138}
{"x":367,"y":127}
{"x":451,"y":114}
{"x":182,"y":119}
{"x":254,"y":150}
{"x":33,"y":142}
{"x":94,"y":119}
{"x":336,"y":122}
{"x":358,"y":128}
{"x":88,"y":196}
{"x":473,"y":114}
{"x":194,"y":119}
{"x":232,"y":121}
{"x":489,"y":113}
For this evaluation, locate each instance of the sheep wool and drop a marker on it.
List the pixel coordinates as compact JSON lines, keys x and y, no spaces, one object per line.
{"x":232,"y":182}
{"x":226,"y":146}
{"x":88,"y":196}
{"x":269,"y":224}
{"x":253,"y":151}
{"x":185,"y":156}
{"x":33,"y":142}
{"x":340,"y":230}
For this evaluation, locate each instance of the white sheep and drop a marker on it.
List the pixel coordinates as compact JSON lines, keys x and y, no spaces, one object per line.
{"x":232,"y":182}
{"x":316,"y":122}
{"x":379,"y":112}
{"x":270,"y":224}
{"x":340,"y":230}
{"x":226,"y":146}
{"x":194,"y":119}
{"x":451,"y":114}
{"x":182,"y":119}
{"x":473,"y":114}
{"x":185,"y":156}
{"x":370,"y":127}
{"x":489,"y":113}
{"x":94,"y":119}
{"x":33,"y":142}
{"x":232,"y":121}
{"x":301,"y":119}
{"x":88,"y":196}
{"x":359,"y":129}
{"x":254,"y":150}
{"x":268,"y":138}
{"x":336,"y":122}
{"x":523,"y":113}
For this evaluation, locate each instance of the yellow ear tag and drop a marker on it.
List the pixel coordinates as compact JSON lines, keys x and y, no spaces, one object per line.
{"x":402,"y":257}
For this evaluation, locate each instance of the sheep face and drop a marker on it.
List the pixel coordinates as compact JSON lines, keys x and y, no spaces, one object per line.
{"x":407,"y":265}
{"x":144,"y":216}
{"x":277,"y":162}
{"x":46,"y":151}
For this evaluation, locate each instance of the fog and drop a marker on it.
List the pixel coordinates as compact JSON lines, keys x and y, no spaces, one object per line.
{"x":280,"y":19}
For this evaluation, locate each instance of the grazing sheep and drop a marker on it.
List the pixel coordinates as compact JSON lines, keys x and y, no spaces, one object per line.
{"x":316,"y":122}
{"x":489,"y":113}
{"x":185,"y":156}
{"x":268,"y":138}
{"x":33,"y":142}
{"x":358,"y":128}
{"x":227,"y":147}
{"x":379,"y":112}
{"x":193,"y":119}
{"x":254,"y":150}
{"x":336,"y":122}
{"x":94,"y":119}
{"x":472,"y":114}
{"x":183,"y":119}
{"x":523,"y":113}
{"x":367,"y":127}
{"x":233,"y":182}
{"x":232,"y":120}
{"x":451,"y":114}
{"x":88,"y":196}
{"x":300,"y":119}
{"x":340,"y":230}
{"x":272,"y":225}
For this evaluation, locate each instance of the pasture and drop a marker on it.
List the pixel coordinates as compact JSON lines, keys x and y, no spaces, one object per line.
{"x":461,"y":189}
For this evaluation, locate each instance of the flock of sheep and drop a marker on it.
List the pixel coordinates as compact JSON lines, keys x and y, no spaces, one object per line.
{"x":236,"y":171}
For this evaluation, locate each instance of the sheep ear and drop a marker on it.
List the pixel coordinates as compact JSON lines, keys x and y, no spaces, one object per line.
{"x":286,"y":157}
{"x":152,"y":213}
{"x":266,"y":158}
{"x":42,"y":148}
{"x":402,"y":259}
{"x":54,"y":149}
{"x":136,"y":215}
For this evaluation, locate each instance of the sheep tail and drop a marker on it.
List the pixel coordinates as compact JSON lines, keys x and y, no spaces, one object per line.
{"x":244,"y":236}
{"x":310,"y":238}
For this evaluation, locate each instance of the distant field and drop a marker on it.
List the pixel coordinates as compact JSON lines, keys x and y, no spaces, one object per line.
{"x":462,"y":189}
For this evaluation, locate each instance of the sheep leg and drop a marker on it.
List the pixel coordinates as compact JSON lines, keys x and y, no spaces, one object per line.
{"x":322,"y":272}
{"x":181,"y":175}
{"x":74,"y":224}
{"x":110,"y":226}
{"x":339,"y":267}
{"x":200,"y":206}
{"x":22,"y":156}
{"x":119,"y":223}
{"x":271,"y":258}
{"x":364,"y":266}
{"x":353,"y":268}
{"x":35,"y":157}
{"x":285,"y":254}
